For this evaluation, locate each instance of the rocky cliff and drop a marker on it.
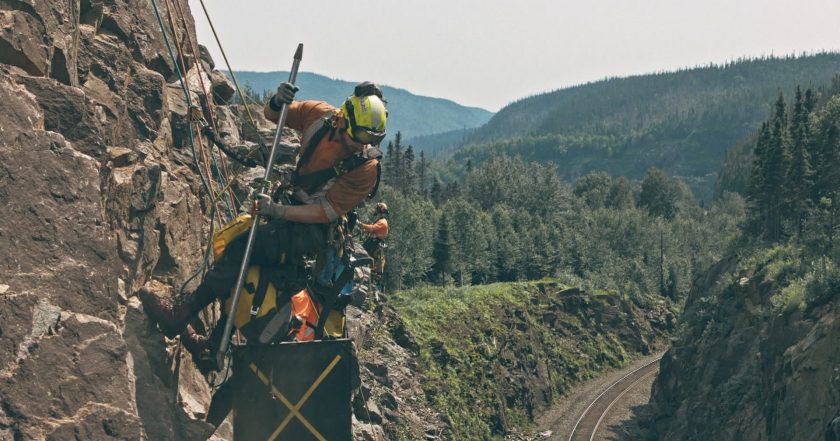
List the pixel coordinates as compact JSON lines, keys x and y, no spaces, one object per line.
{"x":100,"y":195}
{"x":756,"y":358}
{"x":102,"y":192}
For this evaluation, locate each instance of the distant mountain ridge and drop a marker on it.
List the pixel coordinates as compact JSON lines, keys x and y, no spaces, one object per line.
{"x":411,"y":114}
{"x":682,"y":122}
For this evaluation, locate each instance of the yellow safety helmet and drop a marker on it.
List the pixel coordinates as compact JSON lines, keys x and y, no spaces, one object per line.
{"x":366,"y":116}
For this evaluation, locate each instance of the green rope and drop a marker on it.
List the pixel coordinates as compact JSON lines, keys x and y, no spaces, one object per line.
{"x":214,"y":198}
{"x":220,"y":179}
{"x":186,"y":94}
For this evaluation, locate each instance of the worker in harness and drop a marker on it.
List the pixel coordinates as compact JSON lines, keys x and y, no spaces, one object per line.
{"x":377,"y":233}
{"x":338,"y":168}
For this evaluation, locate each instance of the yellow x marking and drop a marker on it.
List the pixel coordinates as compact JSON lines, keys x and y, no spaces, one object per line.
{"x":294,"y":410}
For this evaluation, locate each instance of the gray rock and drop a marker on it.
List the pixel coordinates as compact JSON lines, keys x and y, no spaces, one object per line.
{"x":22,"y":42}
{"x":223,"y":90}
{"x":68,"y":111}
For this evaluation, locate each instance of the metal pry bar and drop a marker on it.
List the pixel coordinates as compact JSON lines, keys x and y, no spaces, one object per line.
{"x":246,"y":259}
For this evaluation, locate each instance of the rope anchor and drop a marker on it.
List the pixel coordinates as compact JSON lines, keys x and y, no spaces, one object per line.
{"x":195,"y":115}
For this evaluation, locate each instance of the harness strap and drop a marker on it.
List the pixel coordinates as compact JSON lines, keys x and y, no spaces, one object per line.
{"x":310,"y":148}
{"x":259,"y":297}
{"x":330,"y":299}
{"x":315,"y":179}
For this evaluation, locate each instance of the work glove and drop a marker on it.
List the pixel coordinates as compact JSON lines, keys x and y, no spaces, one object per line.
{"x":268,"y":208}
{"x":285,"y":94}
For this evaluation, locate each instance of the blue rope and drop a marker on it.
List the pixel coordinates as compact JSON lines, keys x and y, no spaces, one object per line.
{"x":208,"y":250}
{"x":187,"y":95}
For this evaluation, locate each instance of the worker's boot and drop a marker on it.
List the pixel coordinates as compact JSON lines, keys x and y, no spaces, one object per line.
{"x":194,"y":342}
{"x":172,"y":315}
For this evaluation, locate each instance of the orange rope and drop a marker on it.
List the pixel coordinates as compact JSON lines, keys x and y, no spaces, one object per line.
{"x":207,"y":97}
{"x":201,"y":148}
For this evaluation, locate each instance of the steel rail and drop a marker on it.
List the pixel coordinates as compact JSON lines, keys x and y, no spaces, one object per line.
{"x":604,"y":392}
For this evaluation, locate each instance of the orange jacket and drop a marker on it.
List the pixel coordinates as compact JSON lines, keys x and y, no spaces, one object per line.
{"x":349,"y":189}
{"x":378,"y":229}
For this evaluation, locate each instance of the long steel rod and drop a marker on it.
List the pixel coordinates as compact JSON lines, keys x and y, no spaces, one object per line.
{"x":246,"y":259}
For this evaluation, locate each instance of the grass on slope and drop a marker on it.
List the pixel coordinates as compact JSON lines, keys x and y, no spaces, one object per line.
{"x":493,"y":356}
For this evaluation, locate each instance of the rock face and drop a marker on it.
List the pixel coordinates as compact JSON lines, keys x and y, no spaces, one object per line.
{"x":740,"y":371}
{"x":101,"y":194}
{"x":96,"y":201}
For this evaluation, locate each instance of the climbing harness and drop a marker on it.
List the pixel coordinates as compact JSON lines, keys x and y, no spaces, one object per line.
{"x":316,"y":179}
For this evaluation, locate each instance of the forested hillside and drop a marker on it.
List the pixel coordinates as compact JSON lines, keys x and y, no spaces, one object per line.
{"x":411,"y":114}
{"x":756,"y":357}
{"x":509,"y":220}
{"x":682,"y":122}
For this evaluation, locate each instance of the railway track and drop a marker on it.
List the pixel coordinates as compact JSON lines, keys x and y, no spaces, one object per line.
{"x":586,"y":427}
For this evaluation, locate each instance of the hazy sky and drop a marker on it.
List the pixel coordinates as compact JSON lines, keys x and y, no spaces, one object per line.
{"x":488,"y":53}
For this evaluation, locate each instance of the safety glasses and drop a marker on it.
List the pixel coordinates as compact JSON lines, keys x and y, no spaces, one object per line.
{"x":364,"y":135}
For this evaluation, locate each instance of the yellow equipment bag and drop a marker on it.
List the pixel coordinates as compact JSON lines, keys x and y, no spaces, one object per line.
{"x":259,"y":303}
{"x":230,"y":231}
{"x":261,"y":319}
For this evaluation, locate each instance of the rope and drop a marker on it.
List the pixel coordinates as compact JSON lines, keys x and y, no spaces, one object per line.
{"x":227,"y":188}
{"x":232,"y":75}
{"x":186,"y":93}
{"x":219,"y":178}
{"x":367,"y":410}
{"x":210,"y":113}
{"x":209,"y":249}
{"x":203,"y":179}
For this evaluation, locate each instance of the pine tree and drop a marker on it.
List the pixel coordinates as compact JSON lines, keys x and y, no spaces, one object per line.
{"x":801,"y":174}
{"x":389,"y":173}
{"x":422,"y":168}
{"x":505,"y":247}
{"x":409,"y":179}
{"x":827,"y":152}
{"x":395,"y":163}
{"x":442,"y":252}
{"x":776,"y":165}
{"x":436,"y":193}
{"x":453,"y":190}
{"x":758,"y":199}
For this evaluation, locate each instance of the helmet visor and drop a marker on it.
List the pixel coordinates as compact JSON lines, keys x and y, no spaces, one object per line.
{"x":363,"y":135}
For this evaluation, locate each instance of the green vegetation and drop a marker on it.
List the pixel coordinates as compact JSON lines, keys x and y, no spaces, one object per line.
{"x":509,"y":220}
{"x":491,"y":356}
{"x":792,"y":190}
{"x":504,"y":211}
{"x":682,"y":122}
{"x":795,"y":180}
